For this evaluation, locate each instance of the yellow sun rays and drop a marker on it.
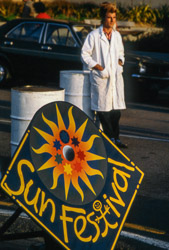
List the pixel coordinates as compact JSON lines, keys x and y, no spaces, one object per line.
{"x":72,"y":124}
{"x":56,"y":174}
{"x":71,"y":170}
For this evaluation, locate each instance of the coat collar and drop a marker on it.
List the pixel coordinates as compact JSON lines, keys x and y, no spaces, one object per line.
{"x":102,"y":35}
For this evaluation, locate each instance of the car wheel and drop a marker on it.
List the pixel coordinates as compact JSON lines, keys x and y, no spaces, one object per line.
{"x":3,"y":73}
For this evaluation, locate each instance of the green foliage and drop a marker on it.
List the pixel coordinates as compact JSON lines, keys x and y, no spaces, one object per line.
{"x":162,"y":16}
{"x":143,"y":14}
{"x":9,"y":10}
{"x":73,"y":11}
{"x":122,"y":13}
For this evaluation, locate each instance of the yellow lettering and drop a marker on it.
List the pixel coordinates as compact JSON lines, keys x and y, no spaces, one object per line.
{"x":22,"y":183}
{"x":95,"y":225}
{"x":97,"y":206}
{"x":123,"y":175}
{"x":66,"y":219}
{"x":120,"y":164}
{"x":119,"y":199}
{"x":35,"y":199}
{"x":44,"y":206}
{"x":111,"y":205}
{"x":78,"y":233}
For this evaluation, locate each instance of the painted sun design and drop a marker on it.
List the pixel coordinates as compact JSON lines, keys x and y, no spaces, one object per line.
{"x":69,"y":154}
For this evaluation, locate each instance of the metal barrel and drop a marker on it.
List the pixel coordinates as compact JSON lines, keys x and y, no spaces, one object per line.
{"x":25,"y":101}
{"x":77,"y":89}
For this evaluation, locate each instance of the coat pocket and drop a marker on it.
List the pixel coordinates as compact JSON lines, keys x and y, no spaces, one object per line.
{"x":100,"y":74}
{"x":104,"y":73}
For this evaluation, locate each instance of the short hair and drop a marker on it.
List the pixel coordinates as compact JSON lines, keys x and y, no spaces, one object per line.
{"x":105,"y":8}
{"x":39,"y":7}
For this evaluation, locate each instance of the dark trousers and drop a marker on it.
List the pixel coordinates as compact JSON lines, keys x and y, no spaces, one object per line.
{"x":110,"y":122}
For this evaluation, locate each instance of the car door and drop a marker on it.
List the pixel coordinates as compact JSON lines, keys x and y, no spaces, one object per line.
{"x":22,"y":47}
{"x":61,"y":50}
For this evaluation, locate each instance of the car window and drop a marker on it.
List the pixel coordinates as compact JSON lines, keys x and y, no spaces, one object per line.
{"x":60,"y":35}
{"x":27,"y":31}
{"x":82,"y":31}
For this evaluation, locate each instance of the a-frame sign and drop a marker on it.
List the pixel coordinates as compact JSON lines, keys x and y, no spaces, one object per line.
{"x":71,"y":179}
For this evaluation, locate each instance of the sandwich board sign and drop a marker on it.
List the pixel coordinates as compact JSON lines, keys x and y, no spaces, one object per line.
{"x":71,"y":179}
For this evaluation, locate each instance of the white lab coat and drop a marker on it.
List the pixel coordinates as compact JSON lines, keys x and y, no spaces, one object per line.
{"x":107,"y":86}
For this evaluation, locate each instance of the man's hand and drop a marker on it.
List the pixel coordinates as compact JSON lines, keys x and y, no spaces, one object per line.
{"x":120,"y":62}
{"x":98,"y":67}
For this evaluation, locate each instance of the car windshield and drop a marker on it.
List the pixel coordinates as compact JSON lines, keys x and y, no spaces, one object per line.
{"x":82,"y":31}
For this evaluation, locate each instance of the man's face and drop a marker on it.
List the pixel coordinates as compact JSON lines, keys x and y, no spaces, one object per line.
{"x":110,"y":20}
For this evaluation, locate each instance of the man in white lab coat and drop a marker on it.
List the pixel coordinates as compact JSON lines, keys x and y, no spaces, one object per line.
{"x":103,"y":54}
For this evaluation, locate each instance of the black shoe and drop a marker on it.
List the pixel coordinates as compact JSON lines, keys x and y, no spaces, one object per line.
{"x":120,"y":144}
